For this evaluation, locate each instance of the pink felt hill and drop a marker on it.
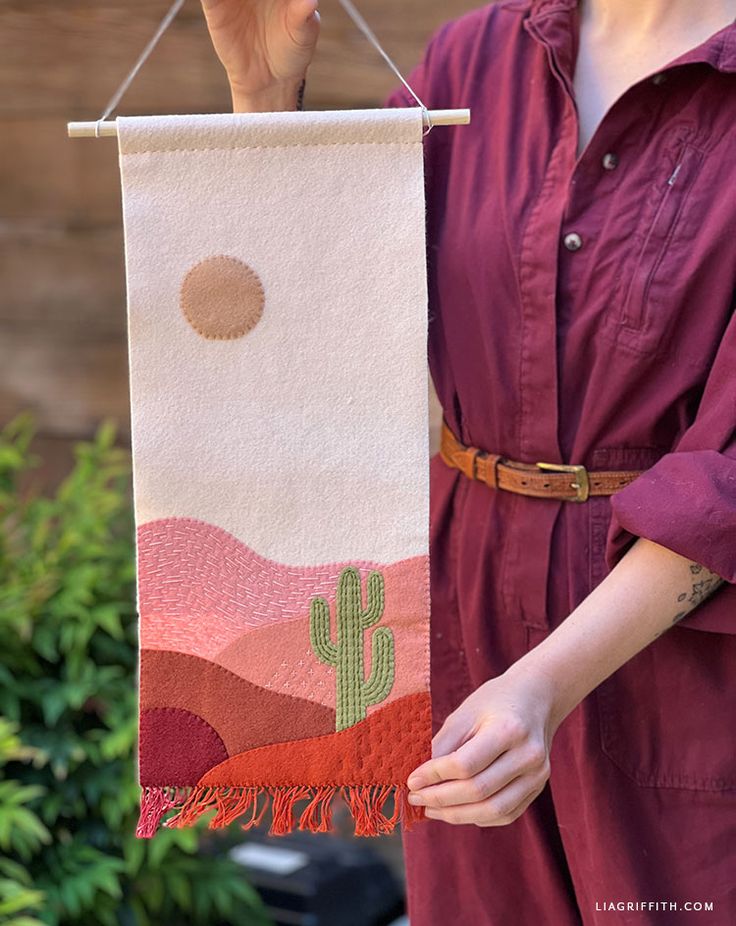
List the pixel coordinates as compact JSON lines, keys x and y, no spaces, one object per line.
{"x":201,"y":591}
{"x":280,"y":657}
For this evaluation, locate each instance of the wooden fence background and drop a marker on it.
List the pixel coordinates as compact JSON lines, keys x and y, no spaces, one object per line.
{"x":62,"y":289}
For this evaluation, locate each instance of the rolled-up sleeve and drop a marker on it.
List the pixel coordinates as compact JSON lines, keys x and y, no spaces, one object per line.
{"x":687,"y":500}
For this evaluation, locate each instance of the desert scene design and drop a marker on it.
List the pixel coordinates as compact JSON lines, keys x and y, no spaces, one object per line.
{"x":279,"y":400}
{"x":251,"y":668}
{"x":261,"y":672}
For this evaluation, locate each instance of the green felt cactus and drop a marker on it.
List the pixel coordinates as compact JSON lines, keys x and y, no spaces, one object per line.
{"x":355,"y":693}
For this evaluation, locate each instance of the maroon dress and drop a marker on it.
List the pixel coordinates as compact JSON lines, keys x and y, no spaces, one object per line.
{"x":582,"y":311}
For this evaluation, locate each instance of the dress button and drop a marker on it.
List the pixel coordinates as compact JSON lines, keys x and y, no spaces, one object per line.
{"x":610,"y":160}
{"x":573,"y":241}
{"x":659,"y":78}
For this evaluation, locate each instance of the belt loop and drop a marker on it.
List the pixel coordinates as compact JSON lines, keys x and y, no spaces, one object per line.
{"x":479,"y":468}
{"x":470,"y":458}
{"x":456,"y":454}
{"x":491,"y":467}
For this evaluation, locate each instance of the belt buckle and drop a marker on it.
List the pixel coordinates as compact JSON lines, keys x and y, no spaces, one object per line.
{"x":581,"y":484}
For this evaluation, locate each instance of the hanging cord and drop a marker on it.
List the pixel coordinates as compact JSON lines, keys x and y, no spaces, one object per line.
{"x":357,"y":18}
{"x":347,"y":5}
{"x":143,"y":57}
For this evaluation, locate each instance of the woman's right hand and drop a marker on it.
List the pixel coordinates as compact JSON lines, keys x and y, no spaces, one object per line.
{"x":265,"y":47}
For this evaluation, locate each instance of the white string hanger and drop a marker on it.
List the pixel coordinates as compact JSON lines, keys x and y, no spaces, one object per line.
{"x":357,"y":18}
{"x":115,"y":99}
{"x":105,"y":127}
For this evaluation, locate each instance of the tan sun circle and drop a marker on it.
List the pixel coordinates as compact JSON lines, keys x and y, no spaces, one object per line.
{"x":222,"y":298}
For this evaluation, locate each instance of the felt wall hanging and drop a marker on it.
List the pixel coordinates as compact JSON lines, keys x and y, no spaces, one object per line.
{"x":276,"y":275}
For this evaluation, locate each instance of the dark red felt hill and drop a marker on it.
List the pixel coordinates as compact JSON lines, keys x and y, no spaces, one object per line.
{"x":180,"y":693}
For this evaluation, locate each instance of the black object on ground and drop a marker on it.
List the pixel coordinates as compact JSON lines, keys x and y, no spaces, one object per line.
{"x":307,"y":879}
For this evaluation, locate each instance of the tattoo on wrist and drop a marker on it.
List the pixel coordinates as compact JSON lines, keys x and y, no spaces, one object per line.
{"x":300,"y":95}
{"x":704,"y":584}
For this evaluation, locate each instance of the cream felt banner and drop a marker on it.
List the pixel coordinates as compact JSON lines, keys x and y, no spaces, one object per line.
{"x":277,"y":303}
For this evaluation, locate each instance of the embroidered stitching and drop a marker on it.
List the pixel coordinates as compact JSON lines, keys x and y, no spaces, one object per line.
{"x":318,"y":144}
{"x":227,"y":314}
{"x":355,"y":693}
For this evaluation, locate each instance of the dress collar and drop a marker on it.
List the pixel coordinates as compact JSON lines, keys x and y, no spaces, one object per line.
{"x":551,"y":19}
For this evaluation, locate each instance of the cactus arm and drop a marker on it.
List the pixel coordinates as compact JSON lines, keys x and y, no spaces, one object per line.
{"x":381,"y":679}
{"x":376,"y":600}
{"x":319,"y":632}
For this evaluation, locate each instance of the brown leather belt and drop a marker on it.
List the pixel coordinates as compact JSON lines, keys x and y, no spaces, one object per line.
{"x":572,"y":483}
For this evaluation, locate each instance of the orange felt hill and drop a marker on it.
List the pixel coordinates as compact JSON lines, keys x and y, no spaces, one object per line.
{"x":382,"y":749}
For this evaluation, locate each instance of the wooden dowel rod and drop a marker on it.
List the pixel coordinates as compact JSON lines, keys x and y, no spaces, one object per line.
{"x":449,"y":116}
{"x":109,"y":128}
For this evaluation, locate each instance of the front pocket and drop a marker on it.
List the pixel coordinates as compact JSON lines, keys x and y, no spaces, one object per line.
{"x":666,"y":716}
{"x":670,"y":203}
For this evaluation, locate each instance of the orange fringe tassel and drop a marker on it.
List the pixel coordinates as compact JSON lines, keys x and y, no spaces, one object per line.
{"x":249,"y":805}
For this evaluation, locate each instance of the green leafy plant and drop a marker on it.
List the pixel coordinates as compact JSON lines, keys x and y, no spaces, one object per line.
{"x":68,"y":714}
{"x":21,"y":833}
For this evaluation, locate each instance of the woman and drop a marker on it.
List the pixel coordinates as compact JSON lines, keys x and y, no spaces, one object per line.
{"x":582,"y":281}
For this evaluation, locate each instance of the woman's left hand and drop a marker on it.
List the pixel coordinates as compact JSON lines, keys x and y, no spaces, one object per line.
{"x":491,"y":756}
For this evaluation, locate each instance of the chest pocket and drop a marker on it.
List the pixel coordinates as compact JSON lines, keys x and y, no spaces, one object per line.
{"x":646,"y":310}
